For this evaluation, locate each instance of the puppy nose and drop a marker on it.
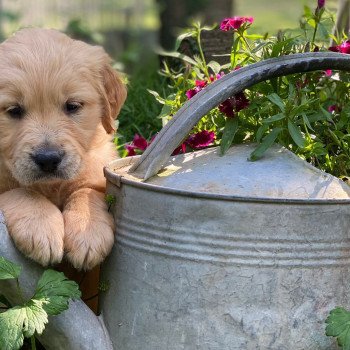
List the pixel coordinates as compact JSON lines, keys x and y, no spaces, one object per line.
{"x":48,"y":160}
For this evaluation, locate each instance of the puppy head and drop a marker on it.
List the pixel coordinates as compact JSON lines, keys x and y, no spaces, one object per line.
{"x":56,"y":96}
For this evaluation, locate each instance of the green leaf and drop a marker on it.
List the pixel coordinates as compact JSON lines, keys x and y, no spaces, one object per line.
{"x":338,"y":325}
{"x":274,"y":118}
{"x":323,"y":30}
{"x":165,"y":111}
{"x":228,"y":134}
{"x":11,"y":329}
{"x":275,"y":99}
{"x":161,"y":100}
{"x":176,"y":55}
{"x":267,"y":142}
{"x":209,"y":27}
{"x":8,"y":269}
{"x":56,"y":289}
{"x":296,"y":134}
{"x":307,"y":122}
{"x":312,"y":22}
{"x":308,"y":11}
{"x":215,"y":66}
{"x":36,"y":317}
{"x":253,"y":36}
{"x":182,"y":37}
{"x":21,"y":321}
{"x":260,"y":132}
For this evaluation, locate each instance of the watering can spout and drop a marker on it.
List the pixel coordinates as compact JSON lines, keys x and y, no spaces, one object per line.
{"x":76,"y":328}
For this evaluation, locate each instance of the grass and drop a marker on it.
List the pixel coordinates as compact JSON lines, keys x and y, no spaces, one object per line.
{"x":140,"y":112}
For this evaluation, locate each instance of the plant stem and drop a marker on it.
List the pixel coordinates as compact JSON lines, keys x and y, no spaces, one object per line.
{"x":20,"y":293}
{"x":314,"y":35}
{"x":233,"y":52}
{"x":32,"y":342}
{"x":205,"y":68}
{"x":244,"y":39}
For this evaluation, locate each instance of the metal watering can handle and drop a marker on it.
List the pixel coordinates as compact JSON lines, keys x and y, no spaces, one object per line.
{"x":157,"y":154}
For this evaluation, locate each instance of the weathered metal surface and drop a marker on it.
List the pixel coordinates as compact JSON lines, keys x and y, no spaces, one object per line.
{"x":280,"y":174}
{"x":75,"y":329}
{"x":157,"y":154}
{"x":194,"y":268}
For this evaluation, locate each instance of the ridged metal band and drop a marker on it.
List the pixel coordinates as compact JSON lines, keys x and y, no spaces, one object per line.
{"x":231,"y":249}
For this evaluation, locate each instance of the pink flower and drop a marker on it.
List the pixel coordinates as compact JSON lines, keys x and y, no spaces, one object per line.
{"x":179,"y":150}
{"x":131,"y":150}
{"x":201,"y":139}
{"x":190,"y":93}
{"x":235,"y":23}
{"x":138,"y":143}
{"x":344,"y":47}
{"x":201,"y":83}
{"x":333,"y":108}
{"x":234,"y":104}
{"x":217,"y":76}
{"x":196,"y":141}
{"x":328,"y":72}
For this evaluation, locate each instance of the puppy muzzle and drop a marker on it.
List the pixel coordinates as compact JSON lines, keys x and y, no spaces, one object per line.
{"x":48,"y":159}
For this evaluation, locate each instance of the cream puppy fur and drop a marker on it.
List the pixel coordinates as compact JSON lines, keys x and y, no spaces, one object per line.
{"x":58,"y":101}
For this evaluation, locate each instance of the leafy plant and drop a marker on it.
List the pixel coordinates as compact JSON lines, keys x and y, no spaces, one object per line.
{"x":28,"y":319}
{"x":306,"y":113}
{"x":338,"y":325}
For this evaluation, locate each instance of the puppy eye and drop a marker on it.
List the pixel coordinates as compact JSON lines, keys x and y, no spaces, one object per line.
{"x":16,"y":111}
{"x":72,"y":107}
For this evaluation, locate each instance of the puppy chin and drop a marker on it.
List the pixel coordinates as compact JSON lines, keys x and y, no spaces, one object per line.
{"x":27,"y":173}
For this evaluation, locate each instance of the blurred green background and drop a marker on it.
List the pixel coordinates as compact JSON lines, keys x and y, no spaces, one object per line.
{"x":122,"y":25}
{"x":131,"y":30}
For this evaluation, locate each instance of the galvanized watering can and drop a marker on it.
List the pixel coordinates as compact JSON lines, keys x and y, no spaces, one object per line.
{"x":218,"y":253}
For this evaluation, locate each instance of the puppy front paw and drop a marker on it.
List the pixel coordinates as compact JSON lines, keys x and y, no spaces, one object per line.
{"x":43,"y":244}
{"x":34,"y":224}
{"x":88,"y":246}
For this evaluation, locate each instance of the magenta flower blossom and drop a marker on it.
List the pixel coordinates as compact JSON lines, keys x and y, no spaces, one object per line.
{"x":217,"y":76}
{"x":138,"y":143}
{"x":201,"y":83}
{"x":328,"y":72}
{"x":320,"y":4}
{"x":344,"y":47}
{"x":333,"y":109}
{"x":234,"y":104}
{"x":179,"y":150}
{"x":198,"y":140}
{"x":235,"y":23}
{"x":201,"y":139}
{"x":131,"y":150}
{"x":190,"y":93}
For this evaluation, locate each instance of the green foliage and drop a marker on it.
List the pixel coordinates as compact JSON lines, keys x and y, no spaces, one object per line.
{"x":306,"y":113}
{"x":139,"y":113}
{"x":8,"y":269}
{"x":338,"y":326}
{"x":51,"y":297}
{"x":78,"y":29}
{"x":110,"y":200}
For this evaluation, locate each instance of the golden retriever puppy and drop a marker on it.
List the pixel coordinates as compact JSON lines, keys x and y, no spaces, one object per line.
{"x":58,"y":101}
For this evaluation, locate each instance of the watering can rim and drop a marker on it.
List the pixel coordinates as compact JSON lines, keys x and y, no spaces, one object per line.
{"x":112,"y":175}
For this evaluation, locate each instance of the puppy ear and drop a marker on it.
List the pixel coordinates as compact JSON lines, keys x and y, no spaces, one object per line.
{"x":114,"y":95}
